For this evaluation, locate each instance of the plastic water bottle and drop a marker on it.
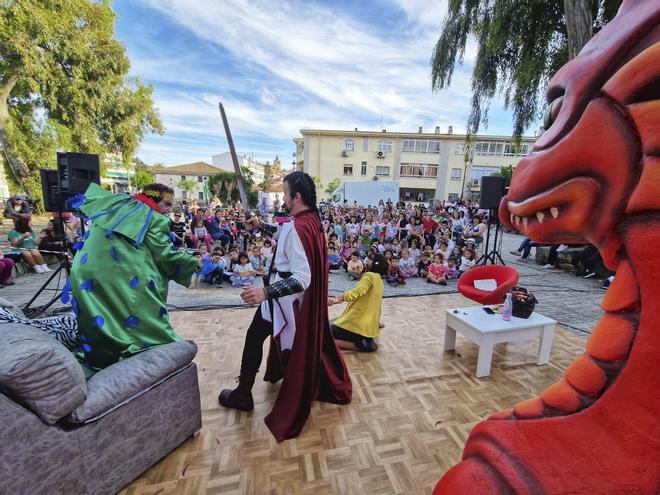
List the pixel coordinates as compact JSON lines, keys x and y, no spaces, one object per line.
{"x":508,"y":308}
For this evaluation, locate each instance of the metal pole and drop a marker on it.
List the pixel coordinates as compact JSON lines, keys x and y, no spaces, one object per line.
{"x":237,"y":168}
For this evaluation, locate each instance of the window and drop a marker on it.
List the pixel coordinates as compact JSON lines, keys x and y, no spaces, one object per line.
{"x":183,"y":177}
{"x":423,"y":170}
{"x":200,"y":178}
{"x":382,"y":171}
{"x":452,"y":197}
{"x":184,"y":194}
{"x":408,"y":145}
{"x":455,"y":173}
{"x":365,"y":144}
{"x":348,"y":169}
{"x":200,"y":195}
{"x":385,"y":145}
{"x":363,"y":169}
{"x":349,"y":144}
{"x":459,"y":149}
{"x":421,"y":146}
{"x":500,"y":148}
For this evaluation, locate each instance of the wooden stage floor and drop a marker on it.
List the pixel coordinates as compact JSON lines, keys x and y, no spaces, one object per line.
{"x":413,"y":407}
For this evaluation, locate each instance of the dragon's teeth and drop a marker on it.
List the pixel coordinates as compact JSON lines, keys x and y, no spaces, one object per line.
{"x":517,"y":220}
{"x":525,"y":221}
{"x":540,"y":216}
{"x":554,"y":211}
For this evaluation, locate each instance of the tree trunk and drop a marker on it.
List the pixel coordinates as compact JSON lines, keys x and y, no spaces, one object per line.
{"x":579,"y":25}
{"x":18,"y":169}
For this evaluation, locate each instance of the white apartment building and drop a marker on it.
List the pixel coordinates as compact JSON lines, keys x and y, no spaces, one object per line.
{"x":427,"y":165}
{"x":224,"y":162}
{"x":198,"y":172}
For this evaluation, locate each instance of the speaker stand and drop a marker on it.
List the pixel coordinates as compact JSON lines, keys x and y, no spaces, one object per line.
{"x":493,"y":256}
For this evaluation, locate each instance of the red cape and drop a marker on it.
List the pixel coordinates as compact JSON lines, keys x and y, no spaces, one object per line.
{"x":314,"y":368}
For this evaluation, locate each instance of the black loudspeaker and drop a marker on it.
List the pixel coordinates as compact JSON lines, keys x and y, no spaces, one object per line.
{"x":50,"y":189}
{"x":492,"y":192}
{"x":76,"y":171}
{"x":73,"y":175}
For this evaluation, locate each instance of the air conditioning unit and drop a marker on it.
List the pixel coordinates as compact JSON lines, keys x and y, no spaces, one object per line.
{"x":380,"y":154}
{"x":344,"y":153}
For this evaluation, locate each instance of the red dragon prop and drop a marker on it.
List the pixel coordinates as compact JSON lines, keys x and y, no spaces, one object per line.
{"x":592,"y":177}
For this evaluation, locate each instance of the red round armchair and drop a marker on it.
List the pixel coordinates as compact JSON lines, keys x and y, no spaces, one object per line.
{"x":505,"y":276}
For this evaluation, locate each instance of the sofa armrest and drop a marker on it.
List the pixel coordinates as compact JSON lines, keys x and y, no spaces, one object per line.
{"x":129,"y":378}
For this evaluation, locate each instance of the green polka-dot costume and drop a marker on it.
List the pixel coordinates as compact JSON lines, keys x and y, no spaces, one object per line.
{"x":119,"y":279}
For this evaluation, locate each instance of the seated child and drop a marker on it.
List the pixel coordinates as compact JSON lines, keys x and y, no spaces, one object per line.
{"x":258,"y":261}
{"x":467,"y":261}
{"x":452,"y":271}
{"x":333,"y":259}
{"x":423,"y":265}
{"x":243,"y":271}
{"x":407,"y":265}
{"x":345,"y":254}
{"x":394,"y":277}
{"x":213,"y":268}
{"x":436,"y":273}
{"x":355,"y":266}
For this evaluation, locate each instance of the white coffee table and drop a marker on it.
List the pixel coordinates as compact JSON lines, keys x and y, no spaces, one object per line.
{"x":486,"y":330}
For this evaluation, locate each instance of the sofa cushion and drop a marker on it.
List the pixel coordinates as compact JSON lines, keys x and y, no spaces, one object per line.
{"x":129,"y":378}
{"x":39,"y":372}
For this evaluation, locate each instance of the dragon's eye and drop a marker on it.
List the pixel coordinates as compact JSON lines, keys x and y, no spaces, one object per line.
{"x":552,"y":111}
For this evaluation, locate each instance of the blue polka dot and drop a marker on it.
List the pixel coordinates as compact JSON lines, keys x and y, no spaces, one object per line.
{"x":113,"y":255}
{"x":132,"y":321}
{"x":163,"y":312}
{"x":66,"y":292}
{"x":134,"y":282}
{"x":84,"y":338}
{"x":77,"y":246}
{"x":87,"y":285}
{"x":152,"y":285}
{"x":99,"y":321}
{"x":83,"y":260}
{"x":87,"y":348}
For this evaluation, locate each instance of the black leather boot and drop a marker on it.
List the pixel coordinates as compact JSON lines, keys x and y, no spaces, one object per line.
{"x":241,"y":397}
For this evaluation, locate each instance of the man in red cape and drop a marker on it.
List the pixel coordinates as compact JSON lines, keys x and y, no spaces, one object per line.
{"x":294,"y":314}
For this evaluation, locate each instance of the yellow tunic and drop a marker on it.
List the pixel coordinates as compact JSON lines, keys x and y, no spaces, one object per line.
{"x":362,"y":315}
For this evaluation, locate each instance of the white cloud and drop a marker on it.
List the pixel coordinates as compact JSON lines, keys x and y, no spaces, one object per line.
{"x":313,"y":66}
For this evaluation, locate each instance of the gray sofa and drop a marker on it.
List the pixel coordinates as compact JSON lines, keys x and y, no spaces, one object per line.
{"x":62,"y":434}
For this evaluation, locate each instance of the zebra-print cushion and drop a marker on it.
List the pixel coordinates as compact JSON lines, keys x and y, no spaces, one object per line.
{"x":62,"y":328}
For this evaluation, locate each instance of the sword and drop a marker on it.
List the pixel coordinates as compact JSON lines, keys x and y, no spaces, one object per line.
{"x":237,"y":168}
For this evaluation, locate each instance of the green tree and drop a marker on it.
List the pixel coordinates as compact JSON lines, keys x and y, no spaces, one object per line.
{"x":223,"y":185}
{"x":143,"y":177}
{"x":187,"y":185}
{"x":520,"y":46}
{"x":64,"y":85}
{"x":506,"y":171}
{"x":332,"y":185}
{"x":318,"y":182}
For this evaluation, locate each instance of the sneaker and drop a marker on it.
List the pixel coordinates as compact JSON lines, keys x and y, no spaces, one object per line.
{"x":522,"y":259}
{"x":45,"y":268}
{"x":562,"y":248}
{"x":590,"y":275}
{"x":605,"y":283}
{"x":548,"y":267}
{"x":515,"y":253}
{"x":218,"y":286}
{"x":38,"y":269}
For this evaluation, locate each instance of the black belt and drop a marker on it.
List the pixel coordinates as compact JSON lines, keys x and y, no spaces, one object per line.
{"x":284,"y":275}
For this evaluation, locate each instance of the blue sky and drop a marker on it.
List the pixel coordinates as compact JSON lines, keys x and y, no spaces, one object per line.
{"x":282,"y":65}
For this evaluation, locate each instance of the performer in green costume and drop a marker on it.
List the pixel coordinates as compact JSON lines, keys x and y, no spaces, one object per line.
{"x":119,"y":278}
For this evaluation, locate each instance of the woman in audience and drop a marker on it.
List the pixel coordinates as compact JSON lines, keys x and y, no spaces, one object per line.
{"x":358,"y":325}
{"x":22,"y":237}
